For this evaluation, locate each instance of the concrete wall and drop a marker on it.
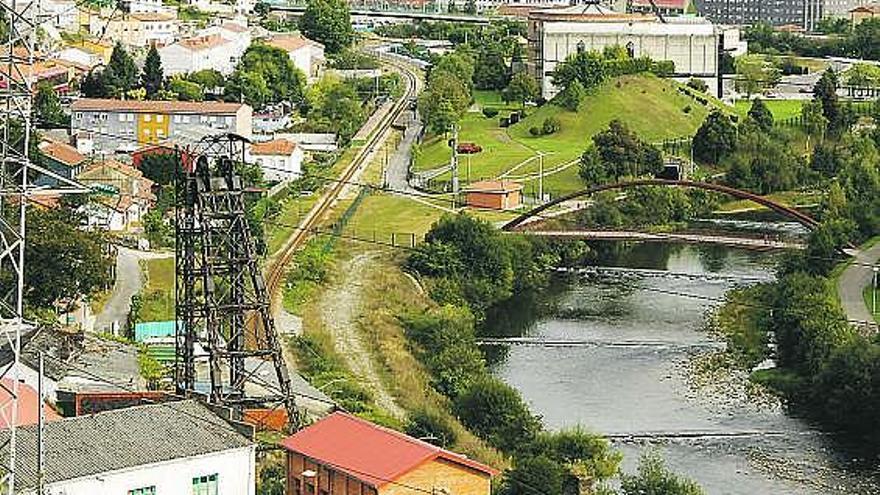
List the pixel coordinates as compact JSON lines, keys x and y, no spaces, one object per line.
{"x":234,"y":469}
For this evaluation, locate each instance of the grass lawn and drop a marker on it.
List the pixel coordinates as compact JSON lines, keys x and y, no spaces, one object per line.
{"x":781,"y":109}
{"x":283,"y":226}
{"x":158,"y":293}
{"x":651,"y":106}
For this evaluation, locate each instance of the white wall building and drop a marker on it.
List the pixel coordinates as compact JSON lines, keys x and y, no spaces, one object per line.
{"x":63,"y":13}
{"x":690,"y":43}
{"x":169,"y":448}
{"x":306,"y":55}
{"x":280,"y":159}
{"x":198,"y":53}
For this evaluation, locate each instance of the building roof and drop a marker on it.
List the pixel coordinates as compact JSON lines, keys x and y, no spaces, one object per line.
{"x":368,"y":452}
{"x":282,"y":147}
{"x":592,"y":12}
{"x":165,"y":107}
{"x":871,"y":8}
{"x":153,"y":17}
{"x":28,"y":412}
{"x":663,"y":4}
{"x":200,"y":43}
{"x":235,"y":28}
{"x":61,"y":152}
{"x":122,"y":439}
{"x":291,"y":42}
{"x":494,"y":186}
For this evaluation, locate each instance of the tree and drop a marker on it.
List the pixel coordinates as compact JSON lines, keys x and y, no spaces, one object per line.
{"x":431,"y":426}
{"x":490,"y":71}
{"x":698,"y":84}
{"x":813,"y":118}
{"x":653,"y":478}
{"x":185,"y":90}
{"x":753,"y":75}
{"x":495,"y":411}
{"x":571,"y":97}
{"x":328,"y":22}
{"x":272,"y":73}
{"x":209,"y":79}
{"x":121,"y":74}
{"x":458,"y":64}
{"x":589,"y":68}
{"x":153,"y":76}
{"x":865,"y":39}
{"x":862,"y":75}
{"x":715,"y":139}
{"x":160,"y":167}
{"x":761,"y":115}
{"x":470,"y":7}
{"x":94,"y":85}
{"x":530,"y":472}
{"x":47,"y":107}
{"x":825,"y":92}
{"x":63,"y":262}
{"x":443,"y":102}
{"x":621,"y":153}
{"x":522,"y":88}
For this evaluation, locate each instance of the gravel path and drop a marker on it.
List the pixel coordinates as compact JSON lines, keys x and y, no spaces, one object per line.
{"x":340,"y":310}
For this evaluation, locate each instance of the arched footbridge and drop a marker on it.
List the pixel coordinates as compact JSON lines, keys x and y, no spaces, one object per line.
{"x":805,"y":220}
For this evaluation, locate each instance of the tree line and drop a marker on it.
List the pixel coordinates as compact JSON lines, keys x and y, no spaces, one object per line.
{"x":862,"y":41}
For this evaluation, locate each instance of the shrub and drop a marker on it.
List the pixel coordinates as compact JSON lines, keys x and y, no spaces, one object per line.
{"x":536,"y":131}
{"x":698,"y":84}
{"x":490,"y":112}
{"x":686,"y":109}
{"x":551,"y":125}
{"x":432,"y":427}
{"x":496,"y":412}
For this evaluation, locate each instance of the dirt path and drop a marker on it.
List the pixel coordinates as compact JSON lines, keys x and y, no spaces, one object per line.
{"x":340,"y":310}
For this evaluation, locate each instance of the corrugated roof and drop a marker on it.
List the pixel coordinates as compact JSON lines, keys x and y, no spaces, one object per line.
{"x":165,"y":107}
{"x":274,"y":147}
{"x":369,"y":452}
{"x":121,"y":439}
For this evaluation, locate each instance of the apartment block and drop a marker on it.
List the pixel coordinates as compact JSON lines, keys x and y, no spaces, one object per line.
{"x":126,"y":125}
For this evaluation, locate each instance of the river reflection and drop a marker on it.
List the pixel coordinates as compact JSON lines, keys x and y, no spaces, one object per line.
{"x":636,"y":334}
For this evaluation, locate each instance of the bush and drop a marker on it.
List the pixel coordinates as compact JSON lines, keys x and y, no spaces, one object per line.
{"x":431,"y":427}
{"x":490,"y":112}
{"x":496,"y":412}
{"x":686,"y":109}
{"x":551,"y":125}
{"x":536,"y":131}
{"x":698,"y":84}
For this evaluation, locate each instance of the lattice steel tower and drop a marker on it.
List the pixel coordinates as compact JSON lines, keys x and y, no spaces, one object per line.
{"x":227,"y":348}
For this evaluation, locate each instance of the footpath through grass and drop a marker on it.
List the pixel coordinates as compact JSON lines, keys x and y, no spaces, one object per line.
{"x":157,"y":296}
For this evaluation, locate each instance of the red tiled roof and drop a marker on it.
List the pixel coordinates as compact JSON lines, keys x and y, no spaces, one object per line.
{"x":274,"y":147}
{"x":27,"y":405}
{"x":203,"y":42}
{"x":290,"y":43}
{"x":494,"y":186}
{"x":61,"y":152}
{"x":871,"y":8}
{"x":368,"y":452}
{"x":135,"y":106}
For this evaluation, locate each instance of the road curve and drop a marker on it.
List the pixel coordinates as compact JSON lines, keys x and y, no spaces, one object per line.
{"x":852,"y":283}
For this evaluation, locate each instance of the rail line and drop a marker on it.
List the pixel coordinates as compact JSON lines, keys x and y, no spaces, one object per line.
{"x":278,"y":265}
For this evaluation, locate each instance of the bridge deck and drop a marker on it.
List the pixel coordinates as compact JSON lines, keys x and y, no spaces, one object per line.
{"x":745,"y":242}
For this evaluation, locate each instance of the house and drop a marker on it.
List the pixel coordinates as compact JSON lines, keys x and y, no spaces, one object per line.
{"x":271,"y":121}
{"x":137,"y":30}
{"x":57,"y":75}
{"x":98,"y":52}
{"x":346,"y":454}
{"x":126,"y":125}
{"x":238,"y":34}
{"x":28,"y":400}
{"x":172,"y":447}
{"x":74,"y":363}
{"x":862,"y":12}
{"x":494,"y":194}
{"x":124,"y":194}
{"x":312,"y":142}
{"x":62,"y":159}
{"x":280,"y":159}
{"x":306,"y":55}
{"x":61,"y":14}
{"x":199,"y":53}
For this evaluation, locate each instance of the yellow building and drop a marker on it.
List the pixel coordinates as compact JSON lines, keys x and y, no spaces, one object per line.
{"x":346,"y":455}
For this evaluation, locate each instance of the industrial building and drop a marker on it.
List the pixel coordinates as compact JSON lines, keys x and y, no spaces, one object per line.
{"x":803,"y":14}
{"x":691,"y":43}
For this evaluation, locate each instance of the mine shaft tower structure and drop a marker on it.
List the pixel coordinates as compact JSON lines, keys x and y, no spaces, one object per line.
{"x":226,"y":347}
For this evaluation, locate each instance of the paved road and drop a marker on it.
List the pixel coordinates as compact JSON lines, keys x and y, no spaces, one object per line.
{"x":853,"y":281}
{"x":129,"y":280}
{"x":398,"y":163}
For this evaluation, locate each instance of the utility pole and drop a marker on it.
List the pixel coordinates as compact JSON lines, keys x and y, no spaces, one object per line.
{"x":41,"y":422}
{"x":453,"y":164}
{"x":541,"y":178}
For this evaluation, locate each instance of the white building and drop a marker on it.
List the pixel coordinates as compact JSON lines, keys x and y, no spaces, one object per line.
{"x":238,"y":34}
{"x":136,"y":30}
{"x":199,"y":53}
{"x":280,"y":159}
{"x":62,"y":13}
{"x":168,"y":448}
{"x":690,"y":43}
{"x":307,"y":55}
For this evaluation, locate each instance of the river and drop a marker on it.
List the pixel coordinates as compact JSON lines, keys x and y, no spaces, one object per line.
{"x":628,"y":372}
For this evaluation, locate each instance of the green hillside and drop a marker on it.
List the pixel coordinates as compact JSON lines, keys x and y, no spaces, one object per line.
{"x":651,"y":106}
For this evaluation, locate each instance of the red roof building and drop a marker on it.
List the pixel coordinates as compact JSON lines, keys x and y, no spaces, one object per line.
{"x":494,"y":194}
{"x":28,"y":411}
{"x":344,"y":454}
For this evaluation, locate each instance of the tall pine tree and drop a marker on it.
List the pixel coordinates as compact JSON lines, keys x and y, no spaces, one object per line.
{"x":121,"y":74}
{"x":152,"y":77}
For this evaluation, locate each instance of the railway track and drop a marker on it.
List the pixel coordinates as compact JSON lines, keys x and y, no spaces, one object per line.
{"x":277,"y":267}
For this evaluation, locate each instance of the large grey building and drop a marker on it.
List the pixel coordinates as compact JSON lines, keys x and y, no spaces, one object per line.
{"x":804,"y":14}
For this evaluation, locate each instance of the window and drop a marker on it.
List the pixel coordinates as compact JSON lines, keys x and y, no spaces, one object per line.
{"x":159,"y":118}
{"x":176,"y":119}
{"x":122,"y":117}
{"x":147,"y":117}
{"x":147,"y":490}
{"x":186,"y":119}
{"x":205,"y":485}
